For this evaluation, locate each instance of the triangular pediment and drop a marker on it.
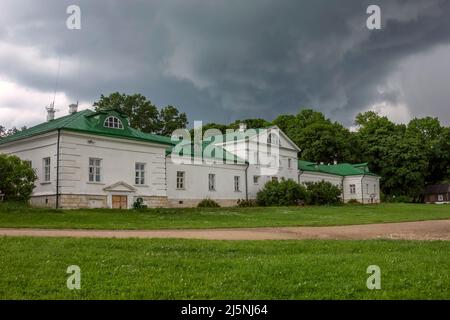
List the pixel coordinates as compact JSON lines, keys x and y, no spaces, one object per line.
{"x":120,"y":187}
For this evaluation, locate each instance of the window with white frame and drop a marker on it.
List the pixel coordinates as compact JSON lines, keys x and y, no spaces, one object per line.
{"x":255,"y":179}
{"x":352,"y":189}
{"x":237,"y":183}
{"x":374,"y":188}
{"x":29,"y":163}
{"x":289,"y":163}
{"x":113,"y":122}
{"x":139,"y":176}
{"x":95,"y":167}
{"x":47,"y":168}
{"x":180,"y":179}
{"x":274,"y":178}
{"x":367,"y":188}
{"x":440,"y":197}
{"x":211,"y":182}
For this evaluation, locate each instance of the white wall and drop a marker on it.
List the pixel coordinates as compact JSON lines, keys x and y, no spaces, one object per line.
{"x":118,"y":164}
{"x":196,"y":181}
{"x":365,"y":187}
{"x":35,"y":149}
{"x":317,"y":177}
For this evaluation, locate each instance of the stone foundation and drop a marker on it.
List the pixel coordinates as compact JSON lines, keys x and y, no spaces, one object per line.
{"x":190,"y":203}
{"x":154,"y":201}
{"x":43,"y":201}
{"x":77,"y":201}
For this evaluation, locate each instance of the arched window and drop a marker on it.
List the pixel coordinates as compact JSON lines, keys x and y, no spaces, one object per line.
{"x":113,"y":122}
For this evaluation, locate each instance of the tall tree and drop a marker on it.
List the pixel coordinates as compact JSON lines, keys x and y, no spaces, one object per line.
{"x":171,"y":119}
{"x":319,"y":138}
{"x":142,"y":114}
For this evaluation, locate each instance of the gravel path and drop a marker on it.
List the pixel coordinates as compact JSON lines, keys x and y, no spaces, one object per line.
{"x":420,"y":230}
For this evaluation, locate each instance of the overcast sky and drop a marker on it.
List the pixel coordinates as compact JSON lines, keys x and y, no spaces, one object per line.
{"x":222,"y":60}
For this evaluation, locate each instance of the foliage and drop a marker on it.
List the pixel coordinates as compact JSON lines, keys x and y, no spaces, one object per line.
{"x":142,"y":114}
{"x":284,"y":193}
{"x":243,"y":203}
{"x":139,"y":204}
{"x":16,"y":178}
{"x":208,"y":203}
{"x":322,"y":193}
{"x":320,"y":139}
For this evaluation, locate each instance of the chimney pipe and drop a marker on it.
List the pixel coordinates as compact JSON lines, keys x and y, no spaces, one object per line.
{"x":50,"y":112}
{"x":242,"y":127}
{"x":73,"y":108}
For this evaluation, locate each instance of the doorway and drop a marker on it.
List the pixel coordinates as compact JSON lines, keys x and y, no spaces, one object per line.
{"x":119,"y":202}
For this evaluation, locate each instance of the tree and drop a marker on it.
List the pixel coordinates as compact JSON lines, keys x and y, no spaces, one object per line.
{"x":250,"y":123}
{"x":171,"y":119}
{"x":16,"y":178}
{"x":142,"y":114}
{"x":320,"y":139}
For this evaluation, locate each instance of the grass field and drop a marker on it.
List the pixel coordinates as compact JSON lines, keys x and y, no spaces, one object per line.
{"x":35,"y":268}
{"x":22,"y":216}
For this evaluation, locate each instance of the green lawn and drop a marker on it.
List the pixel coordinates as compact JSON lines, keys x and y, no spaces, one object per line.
{"x":21,"y":216}
{"x":35,"y":268}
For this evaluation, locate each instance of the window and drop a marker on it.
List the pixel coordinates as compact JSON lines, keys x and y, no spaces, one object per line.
{"x":440,"y":197}
{"x":29,"y":163}
{"x":180,"y":179}
{"x":212,"y":182}
{"x":374,"y":188}
{"x":367,"y":188}
{"x":113,"y":122}
{"x":47,"y":168}
{"x":289,"y":163}
{"x":272,"y":139}
{"x":352,"y":189}
{"x":274,"y":178}
{"x":95,"y":169}
{"x":236,"y":183}
{"x":255,"y":179}
{"x":139,"y":177}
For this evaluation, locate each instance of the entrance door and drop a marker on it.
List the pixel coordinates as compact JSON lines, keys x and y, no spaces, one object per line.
{"x":119,"y":202}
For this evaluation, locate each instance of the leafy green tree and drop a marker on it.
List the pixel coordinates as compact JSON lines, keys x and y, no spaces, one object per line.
{"x":171,"y":119}
{"x":250,"y":123}
{"x":142,"y":114}
{"x":16,"y":178}
{"x":320,"y":139}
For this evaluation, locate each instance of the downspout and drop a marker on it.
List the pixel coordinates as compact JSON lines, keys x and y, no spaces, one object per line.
{"x":57,"y":168}
{"x":342,"y":186}
{"x":246,"y":181}
{"x":362,"y":190}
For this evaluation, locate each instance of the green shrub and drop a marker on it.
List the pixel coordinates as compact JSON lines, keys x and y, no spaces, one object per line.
{"x":208,"y":203}
{"x":139,"y":204}
{"x":16,"y":178}
{"x":284,"y":193}
{"x":353,"y":201}
{"x":242,"y":203}
{"x":323,"y":192}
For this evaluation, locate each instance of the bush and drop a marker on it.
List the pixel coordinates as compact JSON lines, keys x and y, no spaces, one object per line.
{"x":16,"y":178}
{"x":284,"y":193}
{"x":353,"y":201}
{"x":242,"y":203}
{"x":139,"y":204}
{"x":208,"y":203}
{"x":322,"y":192}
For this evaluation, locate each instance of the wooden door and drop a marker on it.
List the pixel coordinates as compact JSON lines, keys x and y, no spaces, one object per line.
{"x":119,"y":202}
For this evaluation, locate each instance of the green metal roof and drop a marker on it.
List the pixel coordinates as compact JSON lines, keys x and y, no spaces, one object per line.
{"x":188,"y":149}
{"x":88,"y":121}
{"x":341,"y":169}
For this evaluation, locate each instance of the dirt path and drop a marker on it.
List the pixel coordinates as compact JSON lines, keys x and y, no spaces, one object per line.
{"x":420,"y":230}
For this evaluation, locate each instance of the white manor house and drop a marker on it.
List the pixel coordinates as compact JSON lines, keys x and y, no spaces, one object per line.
{"x":93,"y":159}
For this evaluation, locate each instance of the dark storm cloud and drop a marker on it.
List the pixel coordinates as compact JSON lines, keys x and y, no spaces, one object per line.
{"x":222,"y":60}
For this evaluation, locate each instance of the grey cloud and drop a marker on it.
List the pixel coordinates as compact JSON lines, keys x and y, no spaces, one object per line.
{"x":221,"y":60}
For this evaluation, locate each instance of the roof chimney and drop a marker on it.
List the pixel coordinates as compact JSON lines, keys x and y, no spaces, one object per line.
{"x":242,"y":127}
{"x":335,"y":162}
{"x":50,"y":112}
{"x":73,"y":108}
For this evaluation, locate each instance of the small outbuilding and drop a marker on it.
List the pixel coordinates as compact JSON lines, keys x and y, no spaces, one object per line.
{"x":437,"y":193}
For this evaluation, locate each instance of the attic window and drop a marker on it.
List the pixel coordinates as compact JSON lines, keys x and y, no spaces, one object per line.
{"x":113,"y":122}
